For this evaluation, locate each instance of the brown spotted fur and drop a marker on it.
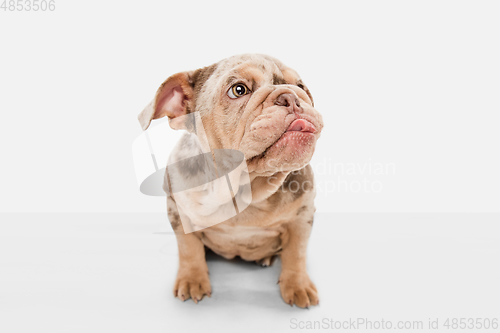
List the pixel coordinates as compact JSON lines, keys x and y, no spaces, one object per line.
{"x":279,"y":221}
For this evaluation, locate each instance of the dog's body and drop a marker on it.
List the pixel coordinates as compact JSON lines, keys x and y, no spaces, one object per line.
{"x":254,"y":104}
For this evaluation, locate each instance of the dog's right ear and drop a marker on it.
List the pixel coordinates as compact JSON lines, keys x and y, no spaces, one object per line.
{"x":172,"y":99}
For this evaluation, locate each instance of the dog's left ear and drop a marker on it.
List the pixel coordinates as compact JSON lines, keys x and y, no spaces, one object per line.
{"x":172,"y":99}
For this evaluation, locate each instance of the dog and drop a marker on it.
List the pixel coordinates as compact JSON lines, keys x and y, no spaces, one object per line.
{"x":254,"y":104}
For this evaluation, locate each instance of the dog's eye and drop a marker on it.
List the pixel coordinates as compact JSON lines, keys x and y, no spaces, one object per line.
{"x":238,"y":90}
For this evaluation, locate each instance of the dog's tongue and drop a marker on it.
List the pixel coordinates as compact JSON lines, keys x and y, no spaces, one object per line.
{"x":301,"y":125}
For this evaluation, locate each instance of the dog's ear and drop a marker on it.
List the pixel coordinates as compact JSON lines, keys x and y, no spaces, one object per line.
{"x":172,"y":99}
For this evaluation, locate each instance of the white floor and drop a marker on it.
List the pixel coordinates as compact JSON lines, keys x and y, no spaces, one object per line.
{"x":115,"y":272}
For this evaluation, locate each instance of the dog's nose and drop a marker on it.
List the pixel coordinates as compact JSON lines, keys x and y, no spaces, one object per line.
{"x":288,"y":100}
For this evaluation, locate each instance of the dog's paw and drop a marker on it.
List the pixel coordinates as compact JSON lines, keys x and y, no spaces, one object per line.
{"x":297,"y":288}
{"x":268,"y":261}
{"x":192,"y":284}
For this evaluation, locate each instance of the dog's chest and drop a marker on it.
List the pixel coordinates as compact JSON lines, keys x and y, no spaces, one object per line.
{"x":248,"y":242}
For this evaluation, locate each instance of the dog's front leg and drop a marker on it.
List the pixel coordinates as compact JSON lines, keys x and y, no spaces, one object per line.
{"x":192,"y":277}
{"x":295,"y":285}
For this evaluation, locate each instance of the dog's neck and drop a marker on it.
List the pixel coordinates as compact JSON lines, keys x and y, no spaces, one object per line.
{"x":263,"y":186}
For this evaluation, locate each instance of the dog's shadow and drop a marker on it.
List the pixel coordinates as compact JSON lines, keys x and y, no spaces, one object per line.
{"x":240,"y":281}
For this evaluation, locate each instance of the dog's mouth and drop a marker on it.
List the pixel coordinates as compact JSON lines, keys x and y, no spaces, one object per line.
{"x":301,"y":125}
{"x":299,"y":131}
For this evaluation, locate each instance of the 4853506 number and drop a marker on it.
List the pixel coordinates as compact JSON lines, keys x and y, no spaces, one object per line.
{"x":28,"y":5}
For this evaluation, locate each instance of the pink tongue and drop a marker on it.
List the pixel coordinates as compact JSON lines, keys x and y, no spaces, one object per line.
{"x":301,"y":125}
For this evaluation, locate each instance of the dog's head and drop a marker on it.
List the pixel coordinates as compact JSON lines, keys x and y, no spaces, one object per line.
{"x":252,"y":103}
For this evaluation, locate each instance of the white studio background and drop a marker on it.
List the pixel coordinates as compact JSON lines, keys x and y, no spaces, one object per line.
{"x":409,"y":92}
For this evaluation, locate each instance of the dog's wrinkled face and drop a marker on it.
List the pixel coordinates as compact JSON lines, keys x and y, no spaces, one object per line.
{"x":252,"y":103}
